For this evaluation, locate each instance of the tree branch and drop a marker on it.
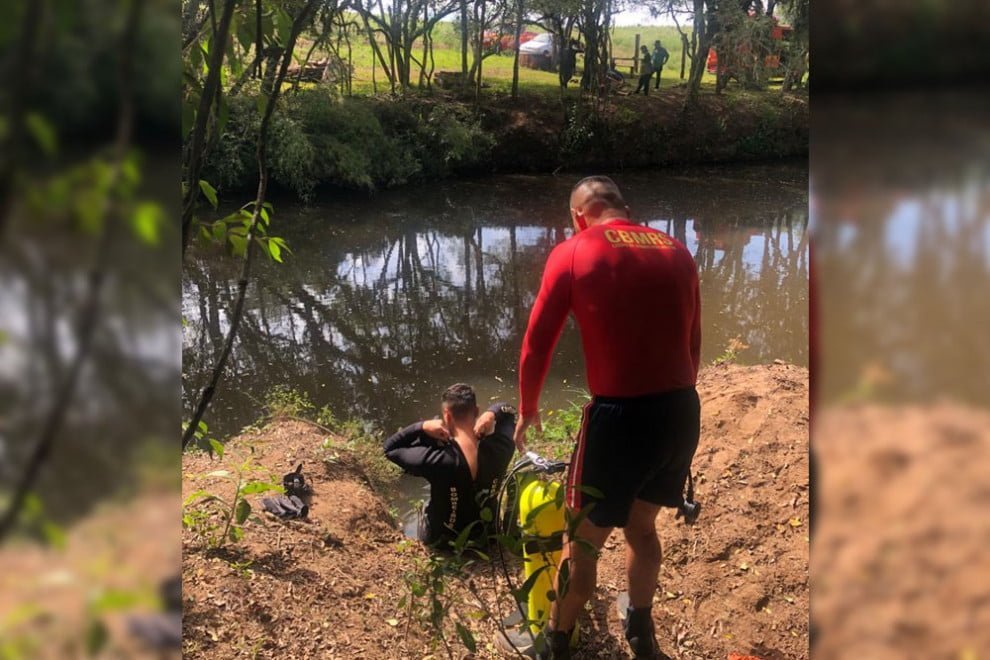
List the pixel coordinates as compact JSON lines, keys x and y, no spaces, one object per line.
{"x":235,"y":319}
{"x":91,"y":306}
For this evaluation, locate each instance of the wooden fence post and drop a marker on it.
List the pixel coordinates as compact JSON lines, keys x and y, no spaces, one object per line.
{"x":636,"y":55}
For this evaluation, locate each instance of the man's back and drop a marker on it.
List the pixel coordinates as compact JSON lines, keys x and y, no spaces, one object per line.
{"x":456,"y":497}
{"x":634,"y":293}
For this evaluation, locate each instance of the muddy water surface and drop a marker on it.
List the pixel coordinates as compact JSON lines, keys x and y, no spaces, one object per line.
{"x":387,"y":300}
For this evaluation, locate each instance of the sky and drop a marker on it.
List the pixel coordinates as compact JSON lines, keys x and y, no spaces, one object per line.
{"x":640,"y":16}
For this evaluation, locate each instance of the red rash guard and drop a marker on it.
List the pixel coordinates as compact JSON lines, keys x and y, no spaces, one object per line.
{"x":634,"y":292}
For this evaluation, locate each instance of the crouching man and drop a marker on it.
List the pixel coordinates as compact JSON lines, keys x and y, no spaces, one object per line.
{"x":463,"y":456}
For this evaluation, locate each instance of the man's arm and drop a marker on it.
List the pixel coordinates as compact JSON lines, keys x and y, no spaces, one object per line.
{"x":502,"y":418}
{"x":546,"y":321}
{"x":696,"y":329}
{"x":415,"y":452}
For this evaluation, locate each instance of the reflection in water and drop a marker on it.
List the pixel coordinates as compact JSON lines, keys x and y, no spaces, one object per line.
{"x":902,"y":246}
{"x":385,"y":302}
{"x":124,"y":404}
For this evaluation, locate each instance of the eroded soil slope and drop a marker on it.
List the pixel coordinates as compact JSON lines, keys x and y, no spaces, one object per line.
{"x":329,"y":588}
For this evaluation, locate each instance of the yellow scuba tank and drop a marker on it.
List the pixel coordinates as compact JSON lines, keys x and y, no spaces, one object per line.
{"x":547,"y":524}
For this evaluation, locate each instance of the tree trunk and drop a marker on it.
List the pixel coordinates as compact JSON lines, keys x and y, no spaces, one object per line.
{"x":700,"y":59}
{"x":481,"y":52}
{"x":515,"y":59}
{"x":464,"y":40}
{"x":194,"y":156}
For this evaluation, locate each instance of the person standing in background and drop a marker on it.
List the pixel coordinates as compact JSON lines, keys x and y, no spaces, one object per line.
{"x":645,"y":71}
{"x":660,"y":57}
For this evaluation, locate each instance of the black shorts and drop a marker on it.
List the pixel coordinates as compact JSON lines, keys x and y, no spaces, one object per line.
{"x":634,"y":448}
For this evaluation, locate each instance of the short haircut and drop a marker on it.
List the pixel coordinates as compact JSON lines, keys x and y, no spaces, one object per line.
{"x":460,"y":400}
{"x":601,"y":189}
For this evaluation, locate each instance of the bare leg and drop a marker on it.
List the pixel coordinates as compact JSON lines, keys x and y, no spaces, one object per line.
{"x":643,"y":553}
{"x":583,"y":574}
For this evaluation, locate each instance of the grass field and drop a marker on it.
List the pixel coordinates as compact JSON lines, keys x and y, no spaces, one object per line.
{"x":497,"y":69}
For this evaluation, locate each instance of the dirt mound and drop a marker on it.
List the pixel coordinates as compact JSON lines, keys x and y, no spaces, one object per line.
{"x":109,"y":570}
{"x":321,"y":588}
{"x":738,"y":581}
{"x":901,"y":560}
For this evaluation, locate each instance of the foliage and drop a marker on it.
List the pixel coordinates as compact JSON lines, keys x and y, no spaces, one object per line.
{"x":433,"y":602}
{"x":584,"y":132}
{"x":560,"y":429}
{"x":204,"y":441}
{"x":731,"y":352}
{"x":217,"y":521}
{"x":283,"y":401}
{"x":321,"y":140}
{"x":742,"y":43}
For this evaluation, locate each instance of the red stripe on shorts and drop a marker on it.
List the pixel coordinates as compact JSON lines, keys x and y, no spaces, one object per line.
{"x":574,"y":480}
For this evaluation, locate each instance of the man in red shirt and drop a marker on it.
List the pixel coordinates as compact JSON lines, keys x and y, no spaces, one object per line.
{"x":634,"y":294}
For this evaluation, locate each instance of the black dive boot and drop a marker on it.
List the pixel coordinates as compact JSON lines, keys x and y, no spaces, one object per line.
{"x":640,"y":634}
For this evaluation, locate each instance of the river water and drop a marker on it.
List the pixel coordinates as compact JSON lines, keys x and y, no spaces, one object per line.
{"x":387,"y":300}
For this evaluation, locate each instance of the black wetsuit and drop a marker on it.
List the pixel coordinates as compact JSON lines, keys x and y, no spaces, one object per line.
{"x":456,"y":500}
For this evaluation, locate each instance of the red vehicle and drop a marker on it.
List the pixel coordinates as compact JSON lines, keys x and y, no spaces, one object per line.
{"x":499,"y":43}
{"x":778,"y":33}
{"x":509,"y":40}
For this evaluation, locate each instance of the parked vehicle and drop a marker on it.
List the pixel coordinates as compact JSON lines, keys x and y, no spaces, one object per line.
{"x":509,"y":40}
{"x":541,"y":44}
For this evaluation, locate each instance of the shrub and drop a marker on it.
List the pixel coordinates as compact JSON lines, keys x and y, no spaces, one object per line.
{"x":319,"y":139}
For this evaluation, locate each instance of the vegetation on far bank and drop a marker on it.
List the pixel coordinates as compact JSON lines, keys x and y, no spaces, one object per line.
{"x":320,"y":139}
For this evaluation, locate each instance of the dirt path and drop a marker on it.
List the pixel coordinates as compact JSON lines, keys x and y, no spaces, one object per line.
{"x":900,"y":559}
{"x":330,"y":588}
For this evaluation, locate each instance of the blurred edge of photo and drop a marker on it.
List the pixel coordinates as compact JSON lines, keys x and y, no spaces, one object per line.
{"x":900,"y":208}
{"x":90,"y":330}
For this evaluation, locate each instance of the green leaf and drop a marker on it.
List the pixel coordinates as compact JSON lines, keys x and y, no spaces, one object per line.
{"x":217,"y":447}
{"x":114,"y":600}
{"x":195,"y":496}
{"x":522,"y":593}
{"x":54,"y":535}
{"x":254,"y":487}
{"x":245,"y":34}
{"x":276,"y":253}
{"x":147,"y":219}
{"x":284,"y":24}
{"x":223,"y":114}
{"x":209,"y":191}
{"x":238,"y":243}
{"x":42,"y":132}
{"x":242,"y":512}
{"x":535,"y":511}
{"x":462,"y":539}
{"x":591,"y":491}
{"x":96,"y":637}
{"x":466,"y":637}
{"x":235,"y":534}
